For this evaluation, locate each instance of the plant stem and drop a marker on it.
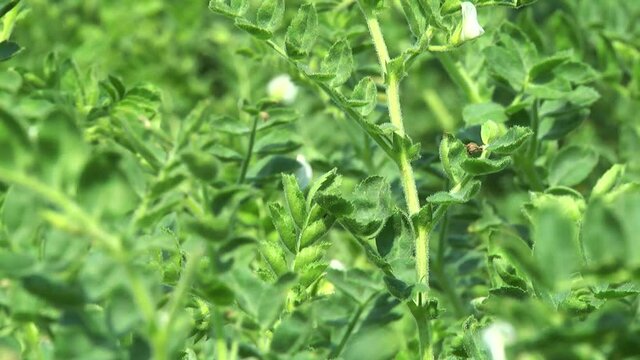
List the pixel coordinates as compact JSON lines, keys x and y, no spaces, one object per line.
{"x":180,"y":293}
{"x":68,"y":206}
{"x":352,"y":325}
{"x":219,"y":336}
{"x":404,"y":163}
{"x":247,"y":158}
{"x":439,"y":109}
{"x":378,"y":42}
{"x":460,"y":76}
{"x":408,"y":181}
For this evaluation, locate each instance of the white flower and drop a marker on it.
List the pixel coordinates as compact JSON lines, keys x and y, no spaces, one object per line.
{"x":471,"y":29}
{"x":304,"y":172}
{"x":282,"y":89}
{"x":337,"y":265}
{"x":496,"y":336}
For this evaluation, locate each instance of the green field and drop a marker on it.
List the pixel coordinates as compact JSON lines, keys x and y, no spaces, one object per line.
{"x":320,"y":179}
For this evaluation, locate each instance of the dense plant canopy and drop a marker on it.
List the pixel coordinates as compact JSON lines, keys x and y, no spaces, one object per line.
{"x":322,"y":179}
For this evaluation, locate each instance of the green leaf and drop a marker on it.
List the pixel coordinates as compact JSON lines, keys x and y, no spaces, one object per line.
{"x":291,"y":334}
{"x":371,"y":6}
{"x":608,"y":181}
{"x":510,"y":142}
{"x":373,"y":343}
{"x":302,"y":32}
{"x":272,"y":301}
{"x":507,"y":65}
{"x":338,"y":64}
{"x":576,"y":72}
{"x":13,"y":141}
{"x":274,"y":256}
{"x":295,"y":200}
{"x":229,"y":125}
{"x":456,"y":196}
{"x":13,"y":265}
{"x":572,"y":165}
{"x":603,"y":236}
{"x":273,"y":166}
{"x":201,"y":165}
{"x":270,"y":14}
{"x":231,"y":8}
{"x":479,"y":166}
{"x":8,"y":49}
{"x":555,"y":234}
{"x":5,"y":8}
{"x":104,"y":187}
{"x":452,"y":154}
{"x":253,"y":29}
{"x":55,"y":292}
{"x":311,"y":273}
{"x":560,"y":118}
{"x":279,"y":141}
{"x":285,"y":226}
{"x":396,"y":67}
{"x":323,"y":183}
{"x":364,"y":96}
{"x":583,"y":96}
{"x":226,"y":154}
{"x":478,"y":114}
{"x":415,"y":17}
{"x":491,"y":130}
{"x":545,"y":66}
{"x":309,"y":256}
{"x":315,"y":230}
{"x":386,"y":237}
{"x":433,"y":12}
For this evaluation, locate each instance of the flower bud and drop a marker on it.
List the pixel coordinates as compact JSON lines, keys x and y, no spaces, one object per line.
{"x":282,"y":89}
{"x":471,"y":29}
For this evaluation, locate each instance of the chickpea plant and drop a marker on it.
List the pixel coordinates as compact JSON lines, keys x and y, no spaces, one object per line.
{"x":355,"y":179}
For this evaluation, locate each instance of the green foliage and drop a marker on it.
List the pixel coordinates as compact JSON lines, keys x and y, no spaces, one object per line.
{"x":319,"y":180}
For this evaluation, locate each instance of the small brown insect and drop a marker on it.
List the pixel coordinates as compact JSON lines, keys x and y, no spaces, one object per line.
{"x":264,"y":115}
{"x":474,"y":149}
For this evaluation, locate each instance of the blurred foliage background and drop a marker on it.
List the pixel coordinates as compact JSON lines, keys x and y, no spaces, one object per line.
{"x":131,"y":73}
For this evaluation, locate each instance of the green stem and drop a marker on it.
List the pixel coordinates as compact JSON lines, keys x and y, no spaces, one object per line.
{"x":378,"y":42}
{"x":424,"y":331}
{"x":220,"y":338}
{"x":179,"y":294}
{"x":439,"y":109}
{"x":352,"y":325}
{"x":247,"y":159}
{"x":68,"y":206}
{"x":460,"y":76}
{"x":441,"y":272}
{"x":406,"y":175}
{"x":404,"y":163}
{"x":76,"y":214}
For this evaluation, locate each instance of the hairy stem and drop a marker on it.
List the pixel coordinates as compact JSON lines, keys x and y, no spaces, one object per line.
{"x":408,"y":180}
{"x":404,"y":163}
